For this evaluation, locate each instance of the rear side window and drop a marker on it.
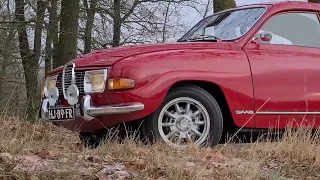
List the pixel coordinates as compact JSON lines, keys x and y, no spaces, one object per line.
{"x":294,"y":28}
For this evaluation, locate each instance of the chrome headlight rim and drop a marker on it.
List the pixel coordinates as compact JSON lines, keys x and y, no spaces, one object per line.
{"x":47,"y":79}
{"x":87,"y":84}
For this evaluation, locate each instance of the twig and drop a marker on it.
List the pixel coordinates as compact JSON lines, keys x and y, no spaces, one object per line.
{"x":244,"y":125}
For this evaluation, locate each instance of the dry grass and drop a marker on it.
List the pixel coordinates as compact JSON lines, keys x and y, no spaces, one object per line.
{"x":48,"y":152}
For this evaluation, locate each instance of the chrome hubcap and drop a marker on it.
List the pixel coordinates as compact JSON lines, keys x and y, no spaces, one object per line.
{"x":184,"y":120}
{"x":183,"y":123}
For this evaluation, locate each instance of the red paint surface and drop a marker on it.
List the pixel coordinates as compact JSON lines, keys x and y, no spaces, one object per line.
{"x":247,"y":73}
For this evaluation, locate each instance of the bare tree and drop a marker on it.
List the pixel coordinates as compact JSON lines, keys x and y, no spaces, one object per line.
{"x":165,"y":22}
{"x":7,"y":34}
{"x":52,"y":40}
{"x":30,"y":59}
{"x":91,"y":10}
{"x":133,"y":13}
{"x":68,"y":39}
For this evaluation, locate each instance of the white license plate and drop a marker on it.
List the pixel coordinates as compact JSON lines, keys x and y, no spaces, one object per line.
{"x":62,"y":113}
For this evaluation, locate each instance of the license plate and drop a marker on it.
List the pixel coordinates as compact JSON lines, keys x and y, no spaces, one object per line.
{"x":62,"y":113}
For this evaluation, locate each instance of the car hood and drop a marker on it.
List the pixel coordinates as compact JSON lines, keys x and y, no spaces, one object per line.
{"x":108,"y":57}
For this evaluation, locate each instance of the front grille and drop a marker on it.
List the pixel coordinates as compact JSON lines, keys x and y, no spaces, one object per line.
{"x":67,"y":79}
{"x":79,"y":78}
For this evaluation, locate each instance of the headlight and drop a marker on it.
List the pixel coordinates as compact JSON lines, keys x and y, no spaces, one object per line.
{"x":95,"y":81}
{"x":49,"y":83}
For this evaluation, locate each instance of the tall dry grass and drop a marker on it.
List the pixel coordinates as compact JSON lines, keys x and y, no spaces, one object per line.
{"x":295,"y":155}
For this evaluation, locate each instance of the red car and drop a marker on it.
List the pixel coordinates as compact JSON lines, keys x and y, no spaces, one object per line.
{"x":252,"y":67}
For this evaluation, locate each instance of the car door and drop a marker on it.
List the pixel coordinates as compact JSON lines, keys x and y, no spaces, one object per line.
{"x":286,"y":70}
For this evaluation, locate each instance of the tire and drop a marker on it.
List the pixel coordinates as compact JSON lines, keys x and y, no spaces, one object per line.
{"x":180,"y":124}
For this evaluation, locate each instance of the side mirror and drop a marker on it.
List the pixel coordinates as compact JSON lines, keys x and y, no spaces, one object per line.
{"x":264,"y":37}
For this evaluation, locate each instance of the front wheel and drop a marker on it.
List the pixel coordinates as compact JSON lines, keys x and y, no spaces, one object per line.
{"x":189,"y":114}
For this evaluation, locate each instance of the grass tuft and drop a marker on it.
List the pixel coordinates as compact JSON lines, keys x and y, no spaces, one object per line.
{"x":44,"y":151}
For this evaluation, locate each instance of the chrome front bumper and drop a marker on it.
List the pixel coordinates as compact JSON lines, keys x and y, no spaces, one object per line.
{"x":88,"y":112}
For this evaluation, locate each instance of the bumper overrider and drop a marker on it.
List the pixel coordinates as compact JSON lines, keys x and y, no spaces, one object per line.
{"x":71,"y":84}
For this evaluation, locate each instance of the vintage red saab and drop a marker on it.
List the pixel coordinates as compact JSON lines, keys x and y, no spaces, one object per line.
{"x":251,"y":67}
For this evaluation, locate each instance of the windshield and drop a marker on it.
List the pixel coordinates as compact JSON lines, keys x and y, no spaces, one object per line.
{"x":228,"y":25}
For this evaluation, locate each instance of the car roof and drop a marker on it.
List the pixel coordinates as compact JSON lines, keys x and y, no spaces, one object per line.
{"x":280,"y":3}
{"x":284,"y":4}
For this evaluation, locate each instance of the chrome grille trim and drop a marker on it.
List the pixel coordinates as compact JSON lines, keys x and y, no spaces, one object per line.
{"x":67,"y":71}
{"x":79,"y":79}
{"x":68,"y":77}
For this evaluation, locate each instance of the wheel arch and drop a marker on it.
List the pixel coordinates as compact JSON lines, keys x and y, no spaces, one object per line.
{"x":217,"y":93}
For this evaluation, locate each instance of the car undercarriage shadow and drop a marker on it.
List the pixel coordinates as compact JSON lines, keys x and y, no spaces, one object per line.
{"x":251,"y":137}
{"x":122,"y":133}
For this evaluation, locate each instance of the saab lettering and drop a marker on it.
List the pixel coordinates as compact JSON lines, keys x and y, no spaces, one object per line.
{"x":244,"y":112}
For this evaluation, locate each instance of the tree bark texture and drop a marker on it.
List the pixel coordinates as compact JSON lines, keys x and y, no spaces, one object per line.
{"x":51,"y":30}
{"x":53,"y":17}
{"x":91,"y":11}
{"x":116,"y":23}
{"x":67,"y":49}
{"x":29,"y":61}
{"x":220,"y":5}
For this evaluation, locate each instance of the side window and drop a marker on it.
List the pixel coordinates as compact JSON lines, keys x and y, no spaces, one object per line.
{"x":299,"y":29}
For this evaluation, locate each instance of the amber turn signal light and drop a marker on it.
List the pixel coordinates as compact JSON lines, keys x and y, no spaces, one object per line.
{"x":121,"y":83}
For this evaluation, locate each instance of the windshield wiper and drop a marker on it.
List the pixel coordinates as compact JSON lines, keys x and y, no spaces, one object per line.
{"x":203,"y":37}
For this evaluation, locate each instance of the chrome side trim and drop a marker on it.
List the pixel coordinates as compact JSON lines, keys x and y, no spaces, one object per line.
{"x":286,"y":113}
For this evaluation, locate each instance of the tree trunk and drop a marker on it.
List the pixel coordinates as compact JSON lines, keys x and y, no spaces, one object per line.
{"x":116,"y":23}
{"x":48,"y":50}
{"x":91,"y":11}
{"x":30,"y":64}
{"x":53,"y":17}
{"x":41,"y":7}
{"x":68,"y":40}
{"x":6,"y":55}
{"x":164,"y":29}
{"x":220,"y":5}
{"x":52,"y":36}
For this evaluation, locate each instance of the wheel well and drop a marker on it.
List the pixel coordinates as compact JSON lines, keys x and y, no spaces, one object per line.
{"x":216,"y":92}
